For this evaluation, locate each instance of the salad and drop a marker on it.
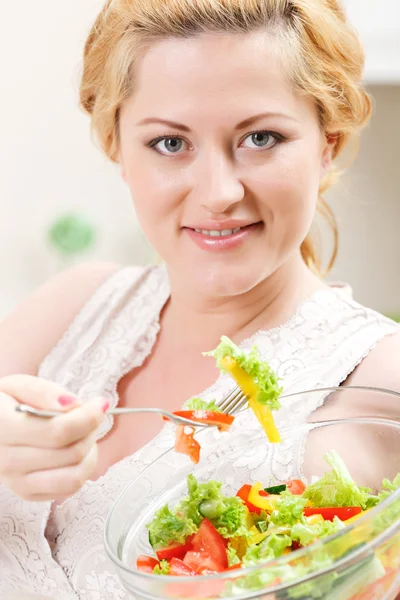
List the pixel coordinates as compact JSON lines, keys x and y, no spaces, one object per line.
{"x":208,"y":532}
{"x":257,"y":381}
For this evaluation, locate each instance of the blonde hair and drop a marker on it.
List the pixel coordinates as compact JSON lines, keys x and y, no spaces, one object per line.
{"x":323,"y":53}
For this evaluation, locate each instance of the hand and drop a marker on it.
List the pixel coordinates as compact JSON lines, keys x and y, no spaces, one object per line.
{"x":46,"y":459}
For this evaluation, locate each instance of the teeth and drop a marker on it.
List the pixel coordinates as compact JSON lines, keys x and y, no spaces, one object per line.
{"x":218,"y":232}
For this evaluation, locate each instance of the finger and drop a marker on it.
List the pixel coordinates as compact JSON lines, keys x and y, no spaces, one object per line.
{"x":39,"y":393}
{"x":58,"y":483}
{"x":58,"y":432}
{"x":23,"y":460}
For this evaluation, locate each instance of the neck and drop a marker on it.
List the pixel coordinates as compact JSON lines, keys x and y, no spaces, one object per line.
{"x":202,"y":320}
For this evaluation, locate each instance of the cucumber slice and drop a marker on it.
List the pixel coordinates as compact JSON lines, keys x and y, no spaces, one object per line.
{"x":275,"y":489}
{"x":211,"y":509}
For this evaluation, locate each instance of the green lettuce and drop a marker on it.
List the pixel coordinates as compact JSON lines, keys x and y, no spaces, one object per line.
{"x":289,"y":510}
{"x":167,"y":527}
{"x":162,"y":568}
{"x":199,"y":404}
{"x":388,"y":487}
{"x":306,"y":534}
{"x":228,"y":515}
{"x":270,"y":548}
{"x":232,"y":555}
{"x":258,"y":369}
{"x":337,"y":487}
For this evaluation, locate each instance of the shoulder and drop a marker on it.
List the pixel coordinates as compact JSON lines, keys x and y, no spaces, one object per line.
{"x":381,"y":368}
{"x":36,"y":325}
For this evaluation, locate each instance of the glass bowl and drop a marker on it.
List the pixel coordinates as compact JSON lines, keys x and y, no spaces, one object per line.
{"x":361,"y":562}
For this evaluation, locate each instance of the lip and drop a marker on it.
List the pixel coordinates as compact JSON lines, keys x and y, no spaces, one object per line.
{"x":226,"y":242}
{"x":221,"y":225}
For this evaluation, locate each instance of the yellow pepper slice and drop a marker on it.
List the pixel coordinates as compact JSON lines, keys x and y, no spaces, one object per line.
{"x":256,"y":536}
{"x":313,"y":519}
{"x":250,"y":389}
{"x":352,"y":519}
{"x":267,"y":503}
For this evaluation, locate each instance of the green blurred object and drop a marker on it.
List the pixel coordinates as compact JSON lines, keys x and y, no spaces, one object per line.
{"x":394,"y":317}
{"x":71,"y":235}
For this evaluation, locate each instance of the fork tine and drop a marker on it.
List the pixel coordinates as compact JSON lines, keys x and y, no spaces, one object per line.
{"x":233,"y":401}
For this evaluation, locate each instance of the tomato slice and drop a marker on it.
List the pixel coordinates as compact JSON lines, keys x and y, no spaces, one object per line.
{"x":146,"y":564}
{"x":207,"y":539}
{"x":295,"y":486}
{"x":330,"y":513}
{"x":211,"y":417}
{"x":186,"y":444}
{"x":179,"y":568}
{"x":243,"y":494}
{"x":202,"y":561}
{"x":175,"y":550}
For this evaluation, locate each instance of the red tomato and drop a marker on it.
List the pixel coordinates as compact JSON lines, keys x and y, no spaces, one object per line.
{"x":295,"y":486}
{"x":202,"y":561}
{"x":329,"y":514}
{"x":179,"y":568}
{"x":186,"y":444}
{"x":175,"y":550}
{"x":234,"y":567}
{"x":244,"y":492}
{"x":207,"y":539}
{"x":211,"y":417}
{"x":146,"y":564}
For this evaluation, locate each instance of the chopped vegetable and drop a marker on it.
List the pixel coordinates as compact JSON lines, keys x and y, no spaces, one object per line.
{"x":256,"y":380}
{"x":186,"y":444}
{"x":263,"y":501}
{"x":162,"y":568}
{"x":219,"y":419}
{"x":167,"y":527}
{"x":295,"y":486}
{"x":276,"y":489}
{"x":199,"y":404}
{"x":208,"y":540}
{"x":337,"y":488}
{"x":175,"y":550}
{"x":146,"y":564}
{"x":329,"y":513}
{"x":244,"y":492}
{"x":179,"y":568}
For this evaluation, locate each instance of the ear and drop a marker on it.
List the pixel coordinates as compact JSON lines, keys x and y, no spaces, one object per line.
{"x":327,"y":153}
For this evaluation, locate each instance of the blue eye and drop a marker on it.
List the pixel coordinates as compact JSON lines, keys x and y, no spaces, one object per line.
{"x":260,"y":139}
{"x":168,"y":145}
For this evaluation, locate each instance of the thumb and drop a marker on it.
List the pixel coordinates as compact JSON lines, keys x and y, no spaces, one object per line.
{"x":38,"y":393}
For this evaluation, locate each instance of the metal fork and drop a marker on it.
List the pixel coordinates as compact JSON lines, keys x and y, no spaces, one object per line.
{"x":49,"y":414}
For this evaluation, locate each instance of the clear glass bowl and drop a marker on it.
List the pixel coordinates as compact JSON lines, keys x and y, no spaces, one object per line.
{"x":361,"y":562}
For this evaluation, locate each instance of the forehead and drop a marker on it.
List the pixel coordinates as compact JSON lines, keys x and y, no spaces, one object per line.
{"x":214,"y":74}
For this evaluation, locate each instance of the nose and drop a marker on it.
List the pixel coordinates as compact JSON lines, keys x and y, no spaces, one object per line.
{"x":218,"y":185}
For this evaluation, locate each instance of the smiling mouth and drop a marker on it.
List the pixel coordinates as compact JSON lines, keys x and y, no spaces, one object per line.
{"x":223,"y":232}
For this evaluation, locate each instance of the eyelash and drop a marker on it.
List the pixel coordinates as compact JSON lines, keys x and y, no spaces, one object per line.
{"x":277,"y":136}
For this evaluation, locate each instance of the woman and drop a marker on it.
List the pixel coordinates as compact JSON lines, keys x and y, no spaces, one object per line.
{"x":225,"y":118}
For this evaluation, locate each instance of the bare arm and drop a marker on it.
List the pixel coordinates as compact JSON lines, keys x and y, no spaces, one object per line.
{"x":29,"y":333}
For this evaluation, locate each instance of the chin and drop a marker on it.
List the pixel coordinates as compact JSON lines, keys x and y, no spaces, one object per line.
{"x":222,"y":282}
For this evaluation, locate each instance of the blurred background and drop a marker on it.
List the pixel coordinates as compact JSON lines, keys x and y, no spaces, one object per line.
{"x":61,"y":201}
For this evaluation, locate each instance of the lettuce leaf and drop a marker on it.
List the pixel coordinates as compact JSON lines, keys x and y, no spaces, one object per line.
{"x":270,"y":548}
{"x":167,"y":527}
{"x":199,"y":404}
{"x":228,"y":515}
{"x":388,"y":487}
{"x":232,"y":555}
{"x":306,"y":534}
{"x":289,"y":510}
{"x":337,"y":487}
{"x":258,"y":369}
{"x":162,"y":568}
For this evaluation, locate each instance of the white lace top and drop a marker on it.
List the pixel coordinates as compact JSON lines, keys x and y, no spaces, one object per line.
{"x":58,"y":551}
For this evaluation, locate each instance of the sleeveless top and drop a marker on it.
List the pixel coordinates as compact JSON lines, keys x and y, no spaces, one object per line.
{"x":58,"y":551}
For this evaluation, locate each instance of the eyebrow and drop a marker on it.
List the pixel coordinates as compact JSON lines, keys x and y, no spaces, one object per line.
{"x":241,"y":125}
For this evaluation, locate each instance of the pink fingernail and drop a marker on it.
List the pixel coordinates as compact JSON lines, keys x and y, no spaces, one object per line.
{"x":66,"y":400}
{"x":106,"y":406}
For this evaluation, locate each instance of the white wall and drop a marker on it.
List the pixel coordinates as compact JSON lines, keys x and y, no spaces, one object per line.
{"x":49,"y":164}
